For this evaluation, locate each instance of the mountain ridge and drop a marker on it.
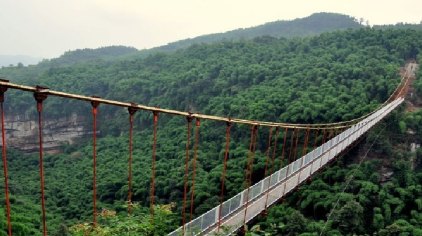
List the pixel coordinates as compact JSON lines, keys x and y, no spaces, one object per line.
{"x":306,"y":26}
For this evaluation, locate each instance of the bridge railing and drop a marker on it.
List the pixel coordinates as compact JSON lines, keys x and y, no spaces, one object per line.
{"x":267,"y":191}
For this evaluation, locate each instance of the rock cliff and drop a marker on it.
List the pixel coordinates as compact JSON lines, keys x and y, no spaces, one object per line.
{"x":22,"y":132}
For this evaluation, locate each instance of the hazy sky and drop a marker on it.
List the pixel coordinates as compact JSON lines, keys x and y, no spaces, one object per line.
{"x":47,"y":28}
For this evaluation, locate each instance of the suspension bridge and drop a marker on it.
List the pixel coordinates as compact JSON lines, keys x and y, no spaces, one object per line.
{"x":321,"y":143}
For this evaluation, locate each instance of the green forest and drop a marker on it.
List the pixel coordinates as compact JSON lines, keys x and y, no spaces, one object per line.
{"x":331,"y":77}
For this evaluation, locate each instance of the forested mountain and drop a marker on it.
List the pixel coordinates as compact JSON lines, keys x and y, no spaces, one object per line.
{"x":86,"y":55}
{"x":330,"y":77}
{"x":70,"y":58}
{"x":312,"y":25}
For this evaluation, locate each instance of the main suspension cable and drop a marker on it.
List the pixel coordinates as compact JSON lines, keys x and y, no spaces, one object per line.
{"x":344,"y":124}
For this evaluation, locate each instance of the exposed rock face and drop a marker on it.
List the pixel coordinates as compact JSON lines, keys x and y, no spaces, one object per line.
{"x":22,"y":132}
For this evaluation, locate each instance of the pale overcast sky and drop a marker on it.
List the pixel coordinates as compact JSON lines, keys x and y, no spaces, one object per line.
{"x":47,"y":28}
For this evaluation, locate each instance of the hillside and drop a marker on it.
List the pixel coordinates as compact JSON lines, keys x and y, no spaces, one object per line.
{"x":86,"y":55}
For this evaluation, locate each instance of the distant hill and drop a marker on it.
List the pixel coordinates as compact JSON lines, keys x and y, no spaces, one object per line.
{"x":312,"y":25}
{"x":87,"y":54}
{"x":7,"y":60}
{"x":18,"y":72}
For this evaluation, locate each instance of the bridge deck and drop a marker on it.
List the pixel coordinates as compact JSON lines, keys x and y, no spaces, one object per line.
{"x":269,"y":190}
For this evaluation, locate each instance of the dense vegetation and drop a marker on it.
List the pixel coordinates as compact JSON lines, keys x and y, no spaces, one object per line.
{"x":331,"y":77}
